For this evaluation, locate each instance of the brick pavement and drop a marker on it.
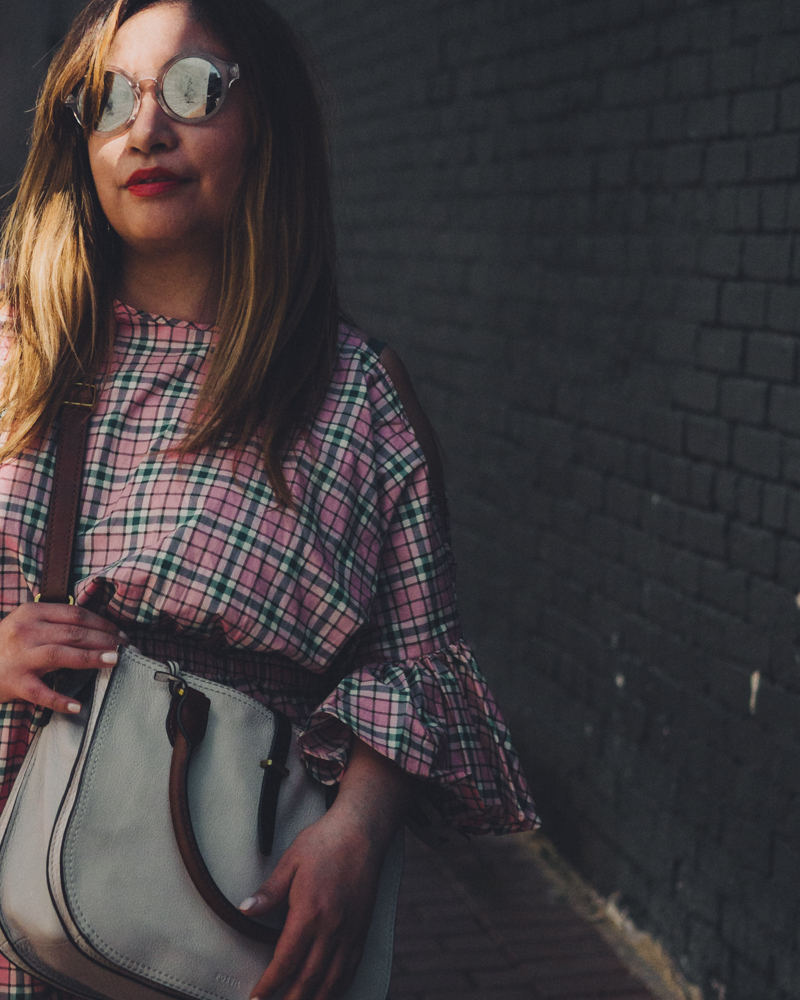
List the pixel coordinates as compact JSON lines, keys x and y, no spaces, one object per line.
{"x":482,"y":922}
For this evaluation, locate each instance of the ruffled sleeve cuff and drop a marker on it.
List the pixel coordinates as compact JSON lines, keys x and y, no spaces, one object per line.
{"x":436,"y":718}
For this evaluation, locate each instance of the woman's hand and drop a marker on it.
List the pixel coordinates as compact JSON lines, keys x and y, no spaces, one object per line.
{"x":38,"y":638}
{"x":330,"y":877}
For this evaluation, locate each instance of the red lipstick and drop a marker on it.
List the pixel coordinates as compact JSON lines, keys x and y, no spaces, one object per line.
{"x":156,"y":180}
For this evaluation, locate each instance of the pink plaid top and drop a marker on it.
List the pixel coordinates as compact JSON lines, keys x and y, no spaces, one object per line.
{"x":340,"y":613}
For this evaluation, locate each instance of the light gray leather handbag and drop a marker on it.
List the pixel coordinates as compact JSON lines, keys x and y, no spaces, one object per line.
{"x":134,"y":827}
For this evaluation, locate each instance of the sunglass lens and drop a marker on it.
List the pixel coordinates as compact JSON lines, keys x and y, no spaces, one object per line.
{"x":192,"y":88}
{"x":118,"y":103}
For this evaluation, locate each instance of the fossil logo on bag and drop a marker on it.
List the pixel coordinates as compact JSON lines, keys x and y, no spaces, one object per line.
{"x":228,"y":980}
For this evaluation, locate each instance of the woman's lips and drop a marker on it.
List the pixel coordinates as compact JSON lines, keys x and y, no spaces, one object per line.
{"x":147,"y":189}
{"x":157,"y":180}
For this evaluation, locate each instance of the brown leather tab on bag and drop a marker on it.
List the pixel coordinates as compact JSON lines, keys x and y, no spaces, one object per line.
{"x":192,"y":715}
{"x":275,"y":771}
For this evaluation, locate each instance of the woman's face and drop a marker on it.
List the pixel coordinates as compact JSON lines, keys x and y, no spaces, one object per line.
{"x":207,"y":158}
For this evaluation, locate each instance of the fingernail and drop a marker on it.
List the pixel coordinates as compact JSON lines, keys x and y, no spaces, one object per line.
{"x":74,"y":707}
{"x":122,"y":637}
{"x":248,"y":904}
{"x":108,"y":657}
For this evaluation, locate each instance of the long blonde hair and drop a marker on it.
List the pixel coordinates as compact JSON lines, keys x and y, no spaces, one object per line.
{"x":279,"y":306}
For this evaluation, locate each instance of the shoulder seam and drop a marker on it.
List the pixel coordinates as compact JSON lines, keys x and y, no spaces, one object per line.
{"x":420,"y":424}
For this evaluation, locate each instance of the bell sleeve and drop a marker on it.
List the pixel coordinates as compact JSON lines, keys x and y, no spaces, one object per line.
{"x":415,"y":693}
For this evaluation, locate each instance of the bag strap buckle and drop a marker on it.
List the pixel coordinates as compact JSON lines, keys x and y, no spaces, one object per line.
{"x":280,"y":768}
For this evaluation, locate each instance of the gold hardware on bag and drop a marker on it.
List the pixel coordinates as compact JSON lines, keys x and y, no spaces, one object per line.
{"x":278,"y":767}
{"x":77,"y":402}
{"x":70,"y":599}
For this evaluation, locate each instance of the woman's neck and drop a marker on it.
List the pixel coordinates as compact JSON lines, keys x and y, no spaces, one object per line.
{"x":184,"y":285}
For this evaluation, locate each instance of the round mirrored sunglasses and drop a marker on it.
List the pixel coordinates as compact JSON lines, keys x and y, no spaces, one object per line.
{"x":190,"y":88}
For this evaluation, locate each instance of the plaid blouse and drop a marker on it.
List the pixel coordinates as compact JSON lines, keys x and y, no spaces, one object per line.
{"x":339,"y":613}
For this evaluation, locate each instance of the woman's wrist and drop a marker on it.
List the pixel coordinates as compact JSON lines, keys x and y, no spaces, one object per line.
{"x":375,"y":791}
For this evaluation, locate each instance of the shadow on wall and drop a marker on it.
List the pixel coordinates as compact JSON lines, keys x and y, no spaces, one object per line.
{"x":28,"y":34}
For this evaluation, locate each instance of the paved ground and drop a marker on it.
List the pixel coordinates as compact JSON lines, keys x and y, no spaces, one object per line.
{"x":483,"y":922}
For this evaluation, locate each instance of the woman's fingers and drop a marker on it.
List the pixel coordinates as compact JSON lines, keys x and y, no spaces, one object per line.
{"x":271,"y":893}
{"x":41,"y":627}
{"x":78,"y":624}
{"x":325,"y":972}
{"x":58,"y":657}
{"x":341,"y":973}
{"x":288,"y":963}
{"x":76,"y":636}
{"x":290,"y":955}
{"x":291,"y":949}
{"x":38,"y":693}
{"x":38,"y":638}
{"x":307,"y":985}
{"x":318,"y":950}
{"x":33,"y":689}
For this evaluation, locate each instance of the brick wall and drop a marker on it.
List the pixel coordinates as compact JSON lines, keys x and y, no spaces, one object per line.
{"x":578,"y":222}
{"x":28,"y":31}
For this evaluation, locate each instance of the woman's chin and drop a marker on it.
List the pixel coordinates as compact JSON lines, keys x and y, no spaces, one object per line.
{"x":158,"y":241}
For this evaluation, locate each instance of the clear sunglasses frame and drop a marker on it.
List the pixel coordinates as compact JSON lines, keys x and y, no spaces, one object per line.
{"x":228,"y":71}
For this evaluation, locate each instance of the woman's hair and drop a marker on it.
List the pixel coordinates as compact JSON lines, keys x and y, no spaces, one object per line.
{"x":279,"y":308}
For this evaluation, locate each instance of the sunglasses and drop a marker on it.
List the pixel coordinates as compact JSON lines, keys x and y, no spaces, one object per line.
{"x":190,"y":88}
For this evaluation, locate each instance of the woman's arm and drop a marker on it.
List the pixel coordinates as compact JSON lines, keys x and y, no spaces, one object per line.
{"x":330,"y":876}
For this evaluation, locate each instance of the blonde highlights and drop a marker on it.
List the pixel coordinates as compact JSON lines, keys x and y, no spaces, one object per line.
{"x":279,"y":309}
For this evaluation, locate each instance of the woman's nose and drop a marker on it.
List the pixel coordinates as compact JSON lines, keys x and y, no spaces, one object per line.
{"x":152,"y":128}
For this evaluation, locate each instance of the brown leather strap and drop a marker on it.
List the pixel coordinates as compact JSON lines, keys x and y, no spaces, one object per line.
{"x":63,"y":516}
{"x":275,"y":771}
{"x":420,"y":424}
{"x":191,"y":717}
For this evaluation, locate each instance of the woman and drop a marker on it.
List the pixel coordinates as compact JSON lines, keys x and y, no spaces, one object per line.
{"x":255,"y":502}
